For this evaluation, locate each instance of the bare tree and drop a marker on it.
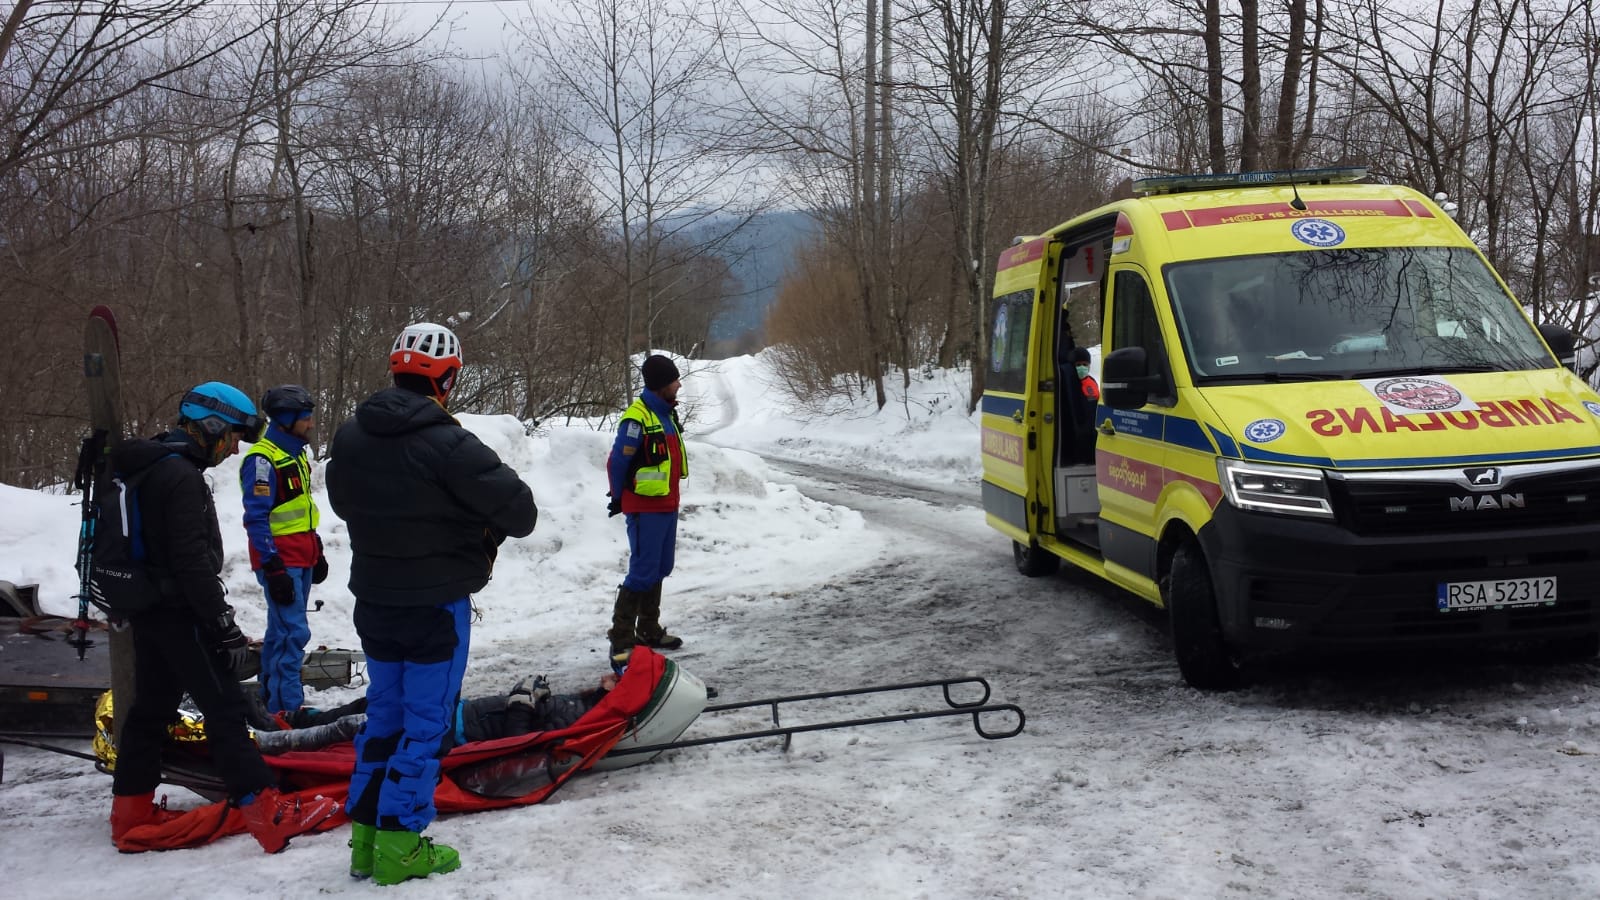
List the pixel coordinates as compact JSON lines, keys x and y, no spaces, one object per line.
{"x":66,"y":64}
{"x":636,"y":81}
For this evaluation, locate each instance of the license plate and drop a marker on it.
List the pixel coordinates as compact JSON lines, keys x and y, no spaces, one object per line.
{"x":1508,"y":592}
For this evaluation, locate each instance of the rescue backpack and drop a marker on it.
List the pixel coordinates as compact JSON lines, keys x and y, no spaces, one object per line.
{"x":120,"y":579}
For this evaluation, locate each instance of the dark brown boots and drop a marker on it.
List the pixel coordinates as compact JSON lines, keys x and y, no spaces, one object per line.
{"x":636,"y":619}
{"x":649,"y":629}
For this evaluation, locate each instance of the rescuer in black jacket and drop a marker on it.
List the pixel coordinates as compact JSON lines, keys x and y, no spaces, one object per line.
{"x":427,"y":505}
{"x":186,"y":642}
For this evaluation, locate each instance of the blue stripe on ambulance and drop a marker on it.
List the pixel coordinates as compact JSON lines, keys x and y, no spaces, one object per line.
{"x":1175,"y":430}
{"x":1183,"y":432}
{"x":1002,"y":406}
{"x":1225,"y":444}
{"x":1501,"y":457}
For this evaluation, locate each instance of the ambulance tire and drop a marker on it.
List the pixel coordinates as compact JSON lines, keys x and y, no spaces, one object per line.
{"x":1203,"y":656}
{"x":1034,"y":561}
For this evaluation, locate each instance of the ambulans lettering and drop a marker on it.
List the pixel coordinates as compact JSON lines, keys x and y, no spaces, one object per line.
{"x":1490,"y":413}
{"x":1002,"y":446}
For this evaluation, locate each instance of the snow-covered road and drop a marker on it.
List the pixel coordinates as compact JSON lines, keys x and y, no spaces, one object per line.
{"x":1465,"y":778}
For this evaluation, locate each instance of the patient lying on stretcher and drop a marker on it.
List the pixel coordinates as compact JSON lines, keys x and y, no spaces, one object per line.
{"x":528,"y":707}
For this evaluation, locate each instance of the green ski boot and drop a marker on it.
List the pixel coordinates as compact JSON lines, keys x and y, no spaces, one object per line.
{"x":402,"y":855}
{"x":361,"y":840}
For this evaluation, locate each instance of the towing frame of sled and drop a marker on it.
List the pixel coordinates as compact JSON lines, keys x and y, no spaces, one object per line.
{"x":210,"y":786}
{"x":974,"y":708}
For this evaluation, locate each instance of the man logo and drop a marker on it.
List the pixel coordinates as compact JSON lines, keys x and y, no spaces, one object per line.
{"x":1487,"y":501}
{"x":1488,"y":477}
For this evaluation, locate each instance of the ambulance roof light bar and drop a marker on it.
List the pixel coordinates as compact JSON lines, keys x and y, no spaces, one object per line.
{"x":1179,"y":184}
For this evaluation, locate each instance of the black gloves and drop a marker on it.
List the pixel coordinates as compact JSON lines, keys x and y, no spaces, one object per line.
{"x":229,"y":642}
{"x":613,"y":507}
{"x":319,"y":572}
{"x":280,"y":587}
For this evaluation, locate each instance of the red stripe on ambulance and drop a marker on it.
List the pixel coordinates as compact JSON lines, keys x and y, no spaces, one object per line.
{"x":1267,"y":212}
{"x":1025,"y":252}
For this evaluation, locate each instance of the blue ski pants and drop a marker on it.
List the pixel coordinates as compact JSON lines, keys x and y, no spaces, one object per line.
{"x":283,"y":647}
{"x":416,"y":657}
{"x":652,"y":537}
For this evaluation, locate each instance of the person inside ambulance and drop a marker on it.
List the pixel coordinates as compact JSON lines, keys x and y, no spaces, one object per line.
{"x":1082,"y":396}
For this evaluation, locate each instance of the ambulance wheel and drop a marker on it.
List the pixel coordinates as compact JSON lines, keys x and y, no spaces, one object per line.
{"x":1203,"y":656}
{"x":1034,"y":561}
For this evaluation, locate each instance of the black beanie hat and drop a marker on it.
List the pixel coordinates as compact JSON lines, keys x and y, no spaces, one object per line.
{"x":658,"y":372}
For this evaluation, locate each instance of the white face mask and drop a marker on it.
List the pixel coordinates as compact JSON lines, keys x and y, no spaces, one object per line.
{"x":1083,"y":371}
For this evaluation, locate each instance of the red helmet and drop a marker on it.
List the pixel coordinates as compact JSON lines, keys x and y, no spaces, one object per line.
{"x":425,"y":349}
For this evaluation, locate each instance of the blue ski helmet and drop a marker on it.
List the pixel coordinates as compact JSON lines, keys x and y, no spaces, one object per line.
{"x":216,"y":407}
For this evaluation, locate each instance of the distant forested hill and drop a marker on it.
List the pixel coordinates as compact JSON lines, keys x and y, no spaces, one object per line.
{"x":759,"y":256}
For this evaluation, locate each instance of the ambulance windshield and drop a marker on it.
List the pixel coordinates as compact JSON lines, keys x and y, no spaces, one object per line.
{"x":1348,"y":313}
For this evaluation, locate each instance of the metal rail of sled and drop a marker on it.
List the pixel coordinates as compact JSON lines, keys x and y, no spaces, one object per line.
{"x":974,"y":708}
{"x":211,"y":786}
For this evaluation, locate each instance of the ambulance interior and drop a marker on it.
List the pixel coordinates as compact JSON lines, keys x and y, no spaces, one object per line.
{"x":1082,"y":286}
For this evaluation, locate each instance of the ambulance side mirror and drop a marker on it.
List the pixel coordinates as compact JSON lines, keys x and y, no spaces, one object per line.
{"x":1562,"y":343}
{"x":1126,"y":380}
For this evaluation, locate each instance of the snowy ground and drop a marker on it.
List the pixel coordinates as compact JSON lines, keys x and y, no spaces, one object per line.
{"x":850,"y":553}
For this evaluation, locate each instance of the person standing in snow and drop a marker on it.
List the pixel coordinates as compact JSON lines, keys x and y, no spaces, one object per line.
{"x":280,"y":518}
{"x":427,"y":505}
{"x":186,"y":642}
{"x":647,"y":461}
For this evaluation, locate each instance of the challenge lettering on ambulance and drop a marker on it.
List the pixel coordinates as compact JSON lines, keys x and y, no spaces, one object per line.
{"x":1433,"y":404}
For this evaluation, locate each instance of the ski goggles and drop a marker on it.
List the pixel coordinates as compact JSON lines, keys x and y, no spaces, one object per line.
{"x":239,"y":420}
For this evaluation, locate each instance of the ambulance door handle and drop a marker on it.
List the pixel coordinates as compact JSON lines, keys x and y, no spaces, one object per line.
{"x":1107,"y":428}
{"x":1017,"y":417}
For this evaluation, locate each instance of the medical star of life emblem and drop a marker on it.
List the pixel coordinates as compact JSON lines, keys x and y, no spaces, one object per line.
{"x":1317,"y":232}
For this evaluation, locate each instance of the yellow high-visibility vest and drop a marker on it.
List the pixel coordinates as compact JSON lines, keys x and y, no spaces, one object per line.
{"x":293,"y":510}
{"x":654,"y":479}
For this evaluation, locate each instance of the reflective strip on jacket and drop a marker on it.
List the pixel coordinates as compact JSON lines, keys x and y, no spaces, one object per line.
{"x":661,"y":461}
{"x":280,"y":481}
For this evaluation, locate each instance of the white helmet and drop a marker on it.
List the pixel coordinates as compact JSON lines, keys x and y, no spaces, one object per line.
{"x":425,"y":349}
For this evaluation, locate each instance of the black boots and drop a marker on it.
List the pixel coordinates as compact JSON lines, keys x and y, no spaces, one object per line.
{"x":649,"y":629}
{"x":636,"y":619}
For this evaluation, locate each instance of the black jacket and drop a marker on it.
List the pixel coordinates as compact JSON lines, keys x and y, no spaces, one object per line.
{"x":183,"y":544}
{"x":427,"y":504}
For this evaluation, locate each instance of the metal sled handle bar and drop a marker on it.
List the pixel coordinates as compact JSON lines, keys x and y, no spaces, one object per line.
{"x":785,"y":732}
{"x":945,"y":683}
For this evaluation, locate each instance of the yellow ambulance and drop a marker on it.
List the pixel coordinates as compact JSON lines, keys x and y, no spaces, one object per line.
{"x":1323,"y":421}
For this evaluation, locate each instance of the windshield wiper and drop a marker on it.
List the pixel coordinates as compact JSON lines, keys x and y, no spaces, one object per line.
{"x":1274,"y":377}
{"x":1427,"y":370}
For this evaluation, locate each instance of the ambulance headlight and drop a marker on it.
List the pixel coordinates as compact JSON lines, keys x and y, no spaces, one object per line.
{"x":1284,"y":490}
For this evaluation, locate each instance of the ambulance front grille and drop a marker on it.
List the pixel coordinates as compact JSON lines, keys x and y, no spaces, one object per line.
{"x":1400,"y":507}
{"x":1375,"y":615}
